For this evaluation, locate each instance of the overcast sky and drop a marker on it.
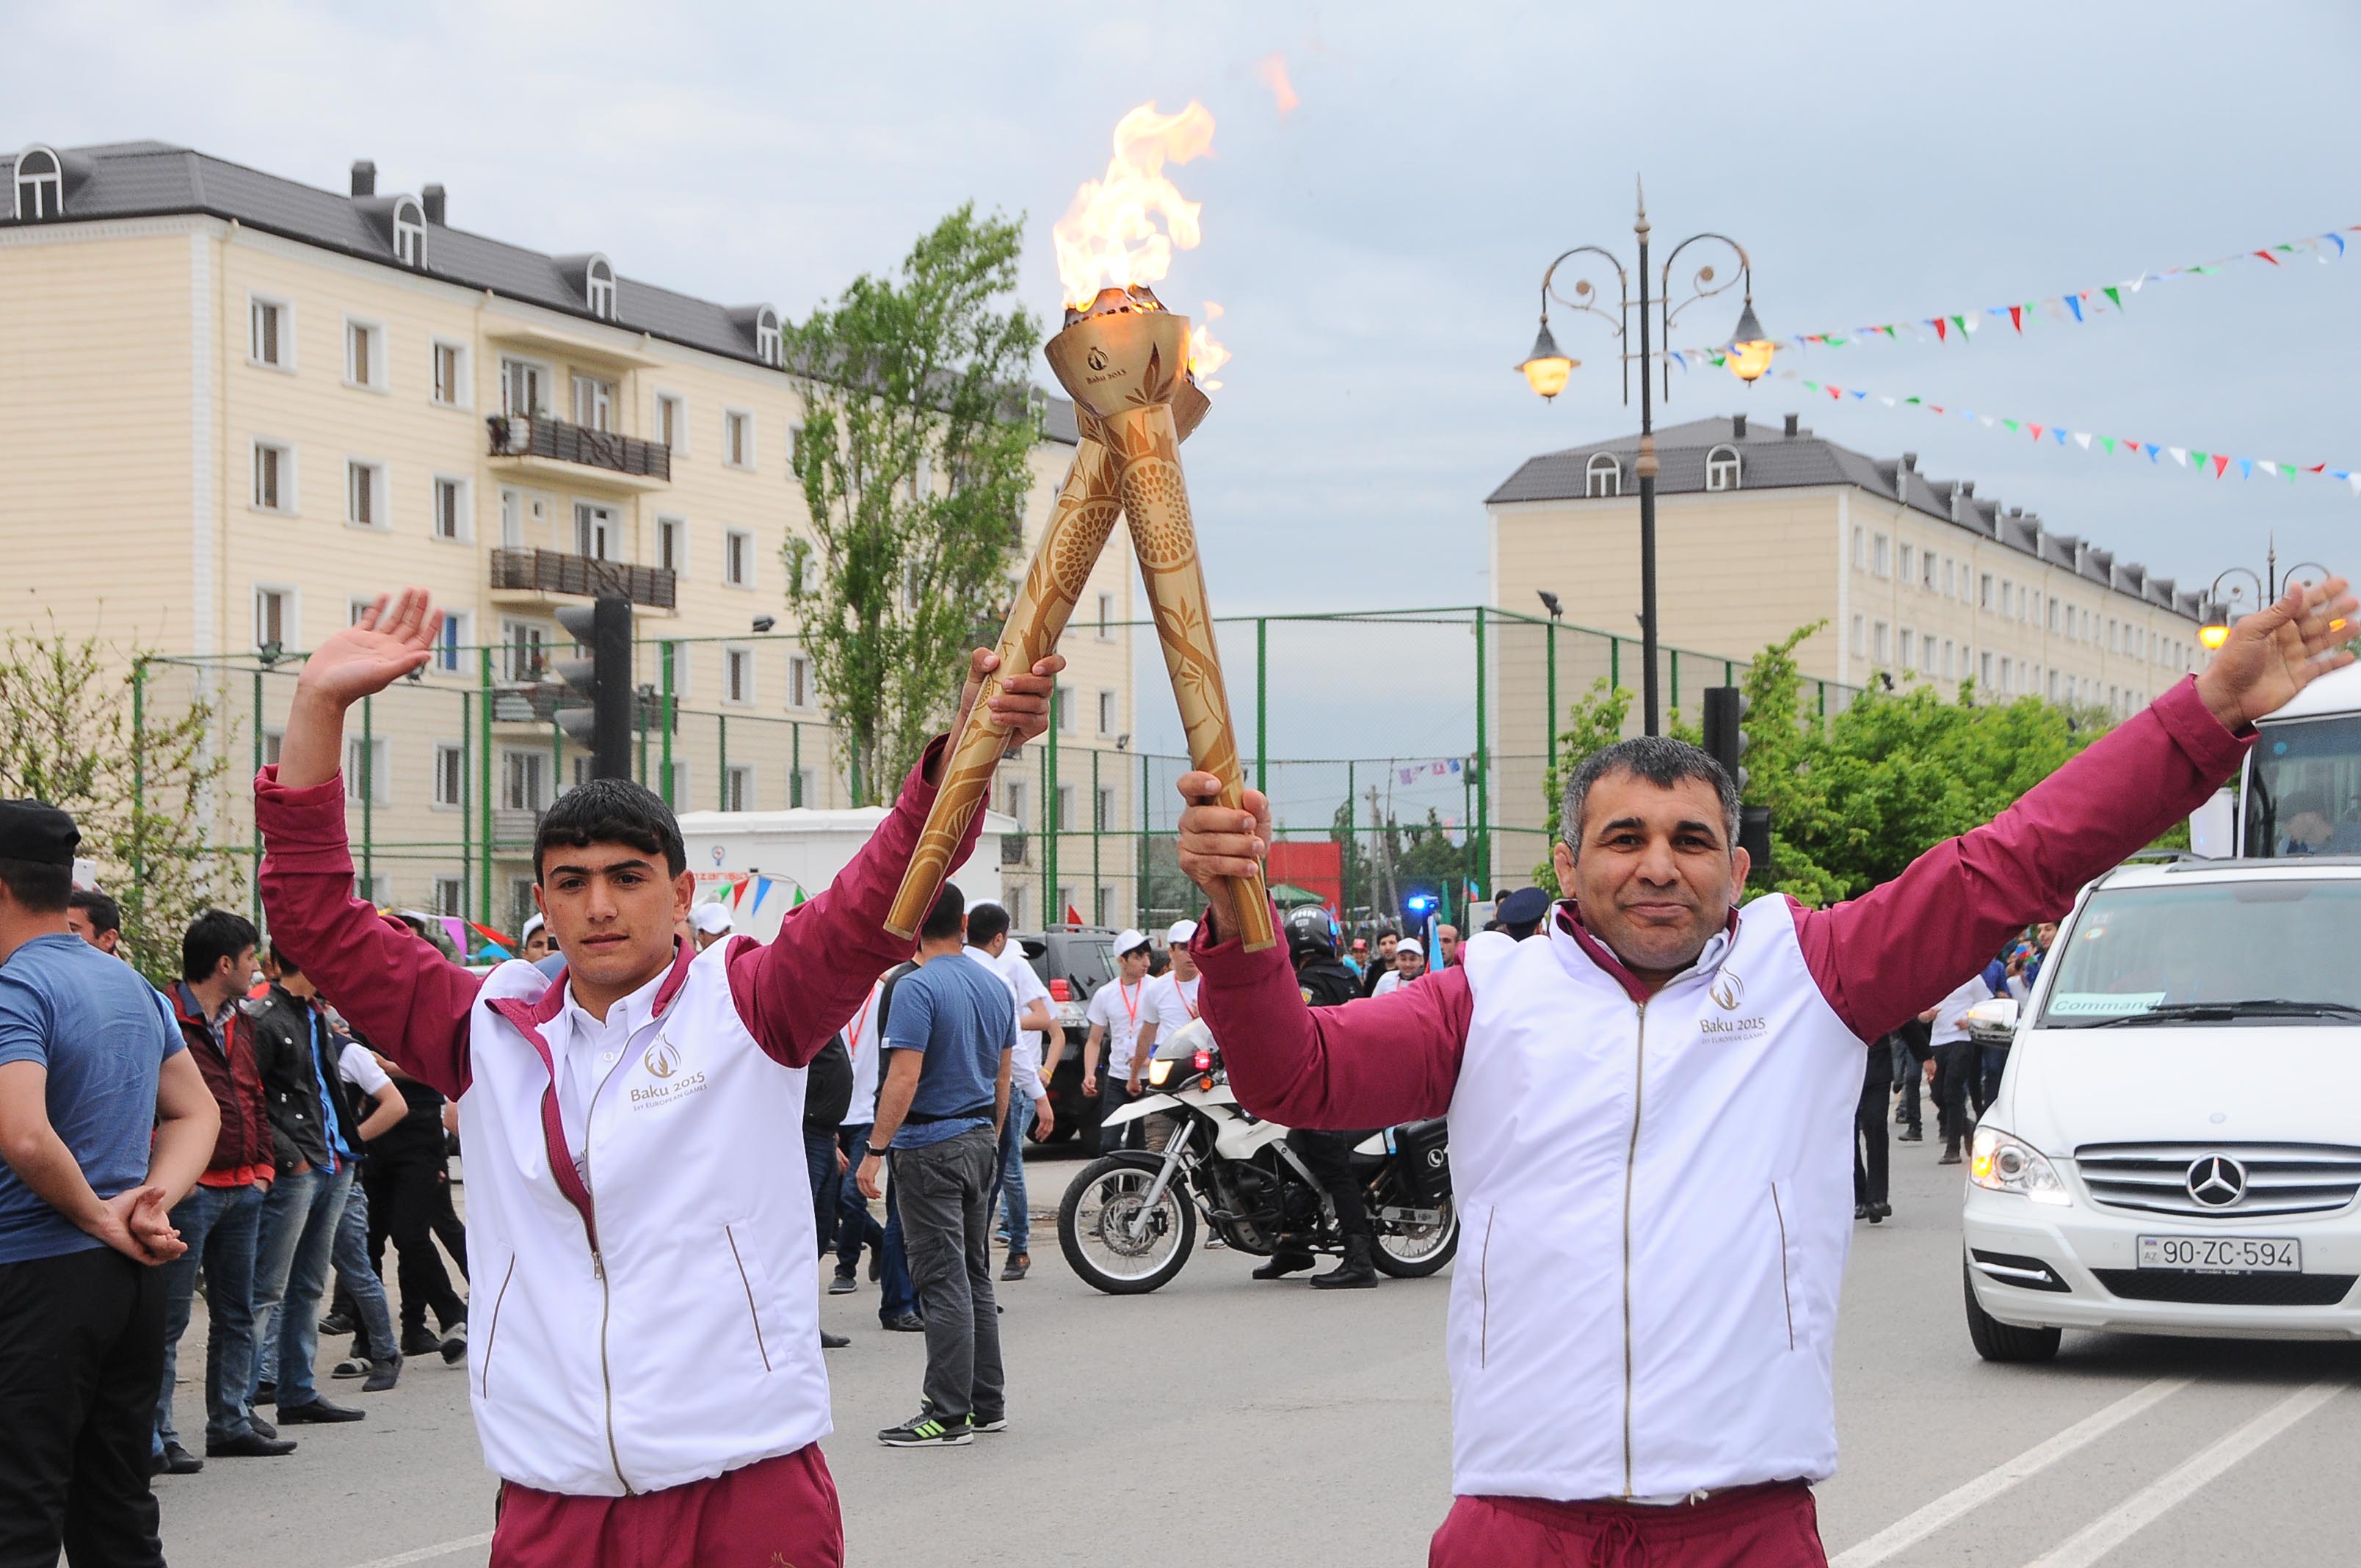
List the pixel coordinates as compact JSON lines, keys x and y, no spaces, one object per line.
{"x":1378,"y":249}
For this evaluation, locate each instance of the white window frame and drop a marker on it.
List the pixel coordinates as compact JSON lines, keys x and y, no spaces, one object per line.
{"x":1602,"y":476}
{"x":379,"y":787}
{"x":739,"y":786}
{"x":255,"y":305}
{"x":1860,"y":638}
{"x":1107,"y":617}
{"x":1110,"y":710}
{"x":544,"y":376}
{"x":524,"y":649}
{"x":671,"y":544}
{"x":409,"y":234}
{"x":803,"y":785}
{"x":1723,"y":468}
{"x":585,"y":527}
{"x":285,"y":477}
{"x":1906,"y":561}
{"x":512,"y":517}
{"x":738,"y":559}
{"x":1905,"y":648}
{"x":737,"y":676}
{"x":519,"y":764}
{"x":1062,"y":701}
{"x":735,"y":423}
{"x":681,"y":785}
{"x":799,"y":682}
{"x":377,"y":521}
{"x":290,"y":616}
{"x":450,"y":644}
{"x":359,"y":330}
{"x":767,"y":347}
{"x":599,"y":393}
{"x":451,"y":891}
{"x":678,"y":438}
{"x":1860,"y":548}
{"x":462,"y":509}
{"x":47,"y":188}
{"x":1881,"y":641}
{"x":1104,"y":808}
{"x":1881,"y":556}
{"x":1065,"y":810}
{"x":599,"y":288}
{"x":455,"y":390}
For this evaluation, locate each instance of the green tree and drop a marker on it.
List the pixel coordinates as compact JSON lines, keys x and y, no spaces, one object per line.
{"x":912,"y":460}
{"x":66,"y":737}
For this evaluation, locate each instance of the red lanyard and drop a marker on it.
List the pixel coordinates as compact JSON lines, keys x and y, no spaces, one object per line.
{"x":1184,"y":1000}
{"x":1131,"y":1000}
{"x":852,"y":1036}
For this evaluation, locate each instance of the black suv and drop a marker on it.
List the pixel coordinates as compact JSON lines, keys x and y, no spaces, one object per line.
{"x":1073,"y":961}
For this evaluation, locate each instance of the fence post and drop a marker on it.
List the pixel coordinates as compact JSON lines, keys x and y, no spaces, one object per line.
{"x":722,"y":765}
{"x":1139,"y":893}
{"x":466,"y":821}
{"x":1483,"y":755}
{"x":1097,"y":876}
{"x":1729,"y":673}
{"x":1676,"y":660}
{"x":254,"y":870}
{"x":556,"y":754}
{"x":369,"y":794}
{"x":664,"y":748}
{"x":1614,"y":662}
{"x":1053,"y":821}
{"x":1262,"y":704}
{"x":1550,"y":720}
{"x":484,"y":778}
{"x":1345,"y":849}
{"x":796,"y":762}
{"x":139,"y":773}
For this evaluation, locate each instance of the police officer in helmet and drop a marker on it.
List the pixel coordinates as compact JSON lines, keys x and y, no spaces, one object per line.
{"x":1327,"y":982}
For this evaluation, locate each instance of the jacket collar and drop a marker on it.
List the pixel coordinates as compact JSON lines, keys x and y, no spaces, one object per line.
{"x":1569,"y":922}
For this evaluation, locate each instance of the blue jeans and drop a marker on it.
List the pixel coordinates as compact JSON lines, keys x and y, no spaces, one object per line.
{"x":1009,"y":1187}
{"x":827,"y":1181}
{"x":219,"y":1224}
{"x":361,"y":1281}
{"x":290,"y":1269}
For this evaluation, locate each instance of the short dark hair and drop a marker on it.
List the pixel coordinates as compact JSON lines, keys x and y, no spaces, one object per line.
{"x":610,"y":811}
{"x":942,"y":921}
{"x":286,"y":965}
{"x":1385,"y":931}
{"x":104,"y":913}
{"x":1658,"y":760}
{"x":984,"y":922}
{"x":39,"y":886}
{"x":211,"y":936}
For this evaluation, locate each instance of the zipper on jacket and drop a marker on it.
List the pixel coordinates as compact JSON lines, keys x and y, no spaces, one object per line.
{"x":1630,"y":1165}
{"x":598,"y":1268}
{"x":1484,"y":1289}
{"x":484,"y":1379}
{"x":753,"y":1313}
{"x":1786,"y":1296}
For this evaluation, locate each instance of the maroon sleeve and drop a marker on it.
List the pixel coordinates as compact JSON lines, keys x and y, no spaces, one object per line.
{"x":1376,"y":1062}
{"x":797,"y":989}
{"x":410,"y":999}
{"x":1887,"y":956}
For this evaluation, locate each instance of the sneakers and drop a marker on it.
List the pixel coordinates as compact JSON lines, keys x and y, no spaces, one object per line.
{"x":336,"y":1323}
{"x":420,"y":1341}
{"x":1019,"y":1262}
{"x":382,"y":1375}
{"x":844,"y":1283}
{"x":925,"y":1431}
{"x":454,"y":1344}
{"x":1913,"y":1137}
{"x":978,"y":1421}
{"x":907,"y":1324}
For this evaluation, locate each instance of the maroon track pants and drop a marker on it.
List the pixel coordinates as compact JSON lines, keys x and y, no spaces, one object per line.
{"x":776,"y":1513}
{"x":1749,"y":1527}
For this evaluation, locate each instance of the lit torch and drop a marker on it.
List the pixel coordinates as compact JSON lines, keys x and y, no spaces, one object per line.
{"x":1124,"y":361}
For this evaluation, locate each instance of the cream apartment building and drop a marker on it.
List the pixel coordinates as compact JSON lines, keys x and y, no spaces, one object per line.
{"x":238,"y":406}
{"x":1761,"y":531}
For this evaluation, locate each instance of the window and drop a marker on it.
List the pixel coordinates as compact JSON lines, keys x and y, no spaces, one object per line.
{"x":738,"y":438}
{"x":596,"y":531}
{"x":364,"y":355}
{"x":737,"y":559}
{"x":1016,"y":800}
{"x":594,"y":403}
{"x":1721,"y":468}
{"x":1065,"y":706}
{"x":1102,"y":904}
{"x":1947,"y":577}
{"x":450,"y":895}
{"x":1065,"y":809}
{"x":524,"y":389}
{"x":1926,"y":570}
{"x":1602,"y":476}
{"x":1106,"y":616}
{"x":1926,"y":654}
{"x":737,"y":787}
{"x":450,"y":775}
{"x":1859,"y":647}
{"x":669,"y":425}
{"x":1880,"y":634}
{"x":1105,"y":818}
{"x":40,"y":185}
{"x":1986,"y":668}
{"x":1908,"y":647}
{"x":799,"y":681}
{"x":356,"y":607}
{"x":450,"y":375}
{"x":680,"y":798}
{"x":409,"y":234}
{"x":802,"y":787}
{"x":524,"y":780}
{"x":272,"y":741}
{"x":599,"y":288}
{"x":274,"y":618}
{"x":511,"y":520}
{"x":1879,"y":557}
{"x":364,"y":493}
{"x":1947,"y":658}
{"x":738,"y":675}
{"x":672,"y":544}
{"x":1066,"y":910}
{"x":455,"y":638}
{"x":266,"y":330}
{"x":1860,"y":549}
{"x":274,"y":477}
{"x":364,"y":770}
{"x":527,"y":648}
{"x":451,"y":519}
{"x":1015,"y":904}
{"x":1984,"y":591}
{"x":1110,"y":713}
{"x":796,"y":447}
{"x":766,"y":339}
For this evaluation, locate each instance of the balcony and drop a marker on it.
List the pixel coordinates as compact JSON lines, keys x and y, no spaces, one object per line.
{"x":576,"y":454}
{"x":533,"y":575}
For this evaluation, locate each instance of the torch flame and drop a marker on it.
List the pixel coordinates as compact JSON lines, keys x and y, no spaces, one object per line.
{"x":1205,"y":356}
{"x":1108,"y":237}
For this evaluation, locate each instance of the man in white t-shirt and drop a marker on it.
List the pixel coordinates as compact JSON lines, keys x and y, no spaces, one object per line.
{"x":1119,"y":1010}
{"x":1409,"y":962}
{"x":989,"y":944}
{"x":1174,"y":993}
{"x":1954,"y":1060}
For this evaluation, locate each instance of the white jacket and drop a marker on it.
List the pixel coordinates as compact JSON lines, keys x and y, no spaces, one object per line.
{"x":662,"y":1326}
{"x":1656,"y":1202}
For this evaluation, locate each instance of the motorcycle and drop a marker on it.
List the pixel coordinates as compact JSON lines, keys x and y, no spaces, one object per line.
{"x":1128,"y":1221}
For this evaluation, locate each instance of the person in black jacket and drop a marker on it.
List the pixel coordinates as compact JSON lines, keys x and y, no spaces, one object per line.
{"x":1327,"y":982}
{"x":828,"y":1095}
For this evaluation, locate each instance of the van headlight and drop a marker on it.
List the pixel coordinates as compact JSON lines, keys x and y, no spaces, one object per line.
{"x":1158,"y":1071}
{"x":2004,"y":1164}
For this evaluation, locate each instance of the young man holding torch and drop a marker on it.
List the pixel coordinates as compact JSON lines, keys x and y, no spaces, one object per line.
{"x":643,"y":1359}
{"x":1652,"y":1108}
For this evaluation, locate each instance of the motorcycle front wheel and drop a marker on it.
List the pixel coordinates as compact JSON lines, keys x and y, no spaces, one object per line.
{"x":1413,"y":1252}
{"x":1113,"y":1239}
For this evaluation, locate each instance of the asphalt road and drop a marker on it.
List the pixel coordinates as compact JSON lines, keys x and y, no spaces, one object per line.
{"x":1222,"y":1420}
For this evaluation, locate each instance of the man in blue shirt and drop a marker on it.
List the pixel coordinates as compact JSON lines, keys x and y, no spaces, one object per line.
{"x":949,"y":1042}
{"x":89,"y":1062}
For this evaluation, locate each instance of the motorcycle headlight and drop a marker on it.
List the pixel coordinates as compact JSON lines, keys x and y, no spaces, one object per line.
{"x":2004,"y":1164}
{"x":1158,"y":1071}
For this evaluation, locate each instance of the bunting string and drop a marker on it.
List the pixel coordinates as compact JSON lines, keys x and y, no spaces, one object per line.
{"x":2074,"y":308}
{"x":2199,"y":461}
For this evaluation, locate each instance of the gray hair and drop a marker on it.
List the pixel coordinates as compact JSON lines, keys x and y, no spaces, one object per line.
{"x":1658,"y":760}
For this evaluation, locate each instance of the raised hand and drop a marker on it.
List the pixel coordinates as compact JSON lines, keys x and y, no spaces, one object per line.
{"x":2279,"y":650}
{"x":394,"y":637}
{"x":1218,"y":842}
{"x":1020,"y":703}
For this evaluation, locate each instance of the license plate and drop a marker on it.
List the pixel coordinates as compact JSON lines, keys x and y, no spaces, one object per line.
{"x":2222,"y":1254}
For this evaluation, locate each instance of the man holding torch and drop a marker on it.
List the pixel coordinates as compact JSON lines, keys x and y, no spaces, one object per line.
{"x":644,"y":1352}
{"x":1652,"y":1110}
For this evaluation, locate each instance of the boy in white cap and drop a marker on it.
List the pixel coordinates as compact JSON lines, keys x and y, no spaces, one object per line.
{"x":1119,"y":1010}
{"x":1409,"y":962}
{"x":709,"y":922}
{"x":1174,"y":993}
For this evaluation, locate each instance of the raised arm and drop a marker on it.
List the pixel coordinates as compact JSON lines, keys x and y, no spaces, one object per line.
{"x":407,"y":998}
{"x":797,"y":989}
{"x":1882,"y":958}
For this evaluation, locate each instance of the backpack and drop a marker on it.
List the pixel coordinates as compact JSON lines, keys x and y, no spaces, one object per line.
{"x":828,"y":1087}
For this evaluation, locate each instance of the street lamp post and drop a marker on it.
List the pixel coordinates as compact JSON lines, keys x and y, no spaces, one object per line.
{"x":1547,"y":368}
{"x":2269,"y":586}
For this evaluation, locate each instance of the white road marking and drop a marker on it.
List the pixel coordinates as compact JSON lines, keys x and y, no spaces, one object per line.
{"x":1914,"y":1527}
{"x":2144,"y":1507}
{"x":427,"y":1553}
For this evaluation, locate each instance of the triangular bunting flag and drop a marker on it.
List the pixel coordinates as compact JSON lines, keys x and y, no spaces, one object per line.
{"x":2109,"y":443}
{"x":2058,"y":434}
{"x":1960,"y":322}
{"x":2037,"y":430}
{"x":798,"y":903}
{"x":2082,"y":439}
{"x":2074,"y":303}
{"x":1886,"y":401}
{"x":2266,"y":256}
{"x":2179,"y":455}
{"x":2011,"y":425}
{"x":1942,"y":334}
{"x":2115,"y":294}
{"x":2354,"y":480}
{"x":2221,"y":465}
{"x":2016,"y":319}
{"x":2245,"y":467}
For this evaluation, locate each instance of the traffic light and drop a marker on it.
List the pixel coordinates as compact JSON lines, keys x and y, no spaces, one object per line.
{"x":1725,"y":713}
{"x":603,"y":681}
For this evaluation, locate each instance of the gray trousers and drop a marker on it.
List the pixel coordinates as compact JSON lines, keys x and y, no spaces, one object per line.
{"x":945,"y":1192}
